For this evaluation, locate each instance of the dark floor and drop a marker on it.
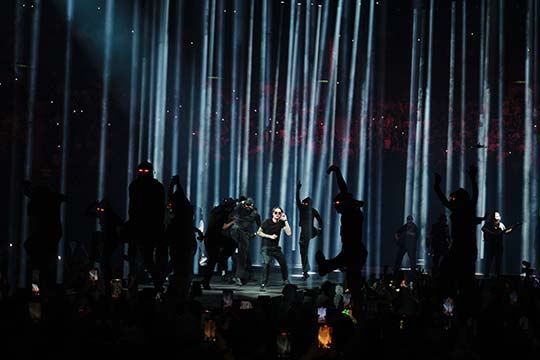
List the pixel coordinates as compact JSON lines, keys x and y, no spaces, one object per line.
{"x":252,"y":290}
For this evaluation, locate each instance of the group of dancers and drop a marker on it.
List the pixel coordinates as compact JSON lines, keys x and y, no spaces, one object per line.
{"x":161,"y":225}
{"x":234,"y":222}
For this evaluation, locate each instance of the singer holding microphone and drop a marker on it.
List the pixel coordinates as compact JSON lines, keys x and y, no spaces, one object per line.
{"x":269,"y":231}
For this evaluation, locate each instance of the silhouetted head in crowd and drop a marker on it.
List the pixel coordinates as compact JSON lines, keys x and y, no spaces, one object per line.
{"x":103,"y":207}
{"x":241,"y":198}
{"x":228,"y":203}
{"x":289,"y":293}
{"x":326,"y":294}
{"x":307,"y":201}
{"x":345,"y":202}
{"x":145,"y":170}
{"x":247,"y":203}
{"x":459,"y":199}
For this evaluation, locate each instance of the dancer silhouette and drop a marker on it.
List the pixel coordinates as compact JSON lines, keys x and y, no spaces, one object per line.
{"x":353,"y":254}
{"x":307,"y":228}
{"x":44,"y":233}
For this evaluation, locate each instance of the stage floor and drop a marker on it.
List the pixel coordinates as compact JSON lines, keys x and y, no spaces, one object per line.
{"x":252,"y":290}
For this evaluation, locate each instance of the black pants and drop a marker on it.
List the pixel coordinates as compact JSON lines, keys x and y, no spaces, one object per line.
{"x":437,"y":258}
{"x":305,"y":236}
{"x":145,"y":241}
{"x":268,"y":253}
{"x":494,"y":250}
{"x":42,"y":259}
{"x":242,"y":263}
{"x":46,"y":271}
{"x":405,"y":247}
{"x":218,"y":250}
{"x":212,"y":251}
{"x":350,"y":257}
{"x":225,"y":252}
{"x":182,"y":256}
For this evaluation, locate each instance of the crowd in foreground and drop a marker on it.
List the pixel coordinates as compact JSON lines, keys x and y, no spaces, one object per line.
{"x":400,"y":317}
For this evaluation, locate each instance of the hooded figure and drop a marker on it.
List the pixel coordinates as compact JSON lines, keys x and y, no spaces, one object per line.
{"x":241,"y":229}
{"x":146,"y":220}
{"x":107,"y":240}
{"x":218,"y":245}
{"x":180,"y":237}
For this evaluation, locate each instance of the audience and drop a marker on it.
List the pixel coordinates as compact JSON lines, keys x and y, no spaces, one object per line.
{"x":397,"y":319}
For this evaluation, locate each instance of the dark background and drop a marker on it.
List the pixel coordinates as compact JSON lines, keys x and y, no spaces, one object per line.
{"x":390,"y":89}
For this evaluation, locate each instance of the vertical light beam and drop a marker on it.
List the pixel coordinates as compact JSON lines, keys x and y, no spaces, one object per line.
{"x":132,"y":110}
{"x":161,"y":90}
{"x":535,"y":230}
{"x":381,"y":60}
{"x":500,"y":120}
{"x":272,"y":137}
{"x":419,"y":124}
{"x":141,"y":154}
{"x":483,"y":126}
{"x":352,"y":83}
{"x":305,"y":93}
{"x":233,"y":154}
{"x":262,"y":111}
{"x":15,"y":242}
{"x":315,"y":87}
{"x":463,"y":147}
{"x":450,"y":131}
{"x":424,"y":201}
{"x":247,"y":114}
{"x":211,"y":120}
{"x":102,"y":170}
{"x":528,"y":151}
{"x":65,"y":135}
{"x":287,"y":126}
{"x":28,"y":159}
{"x":412,"y":117}
{"x":152,"y":82}
{"x":203,"y":136}
{"x":326,"y":155}
{"x":133,"y":94}
{"x":365,"y":106}
{"x":218,"y":186}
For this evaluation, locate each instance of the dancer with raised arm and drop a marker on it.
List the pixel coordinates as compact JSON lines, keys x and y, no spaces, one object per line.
{"x":353,"y":254}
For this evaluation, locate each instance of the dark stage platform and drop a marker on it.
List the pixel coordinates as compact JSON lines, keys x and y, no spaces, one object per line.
{"x":252,"y":290}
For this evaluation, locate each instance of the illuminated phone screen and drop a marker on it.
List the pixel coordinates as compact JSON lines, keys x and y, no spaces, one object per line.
{"x":321,"y":314}
{"x":324,"y":337}
{"x":209,"y":327}
{"x":93,"y":275}
{"x":346,"y":300}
